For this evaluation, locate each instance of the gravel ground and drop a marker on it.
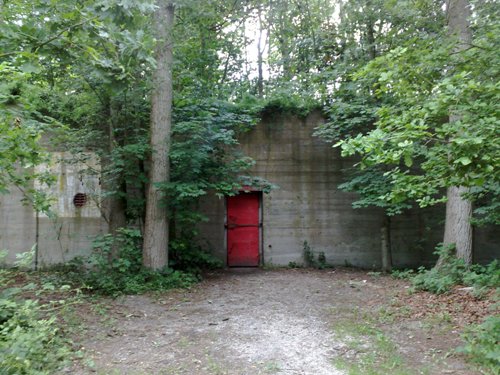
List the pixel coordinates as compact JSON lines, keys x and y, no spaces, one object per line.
{"x":251,"y":321}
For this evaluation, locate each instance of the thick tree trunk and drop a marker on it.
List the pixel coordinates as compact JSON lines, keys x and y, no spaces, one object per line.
{"x":458,"y":13}
{"x":458,"y":227}
{"x":155,"y":247}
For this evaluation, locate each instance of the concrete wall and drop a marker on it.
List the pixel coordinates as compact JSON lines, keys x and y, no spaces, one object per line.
{"x":73,"y":229}
{"x":306,"y":207}
{"x":309,"y":207}
{"x":17,"y":225}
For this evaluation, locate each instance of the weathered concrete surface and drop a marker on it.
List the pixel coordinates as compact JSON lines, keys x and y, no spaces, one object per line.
{"x":17,"y":225}
{"x":306,"y":207}
{"x":309,"y":207}
{"x":64,"y":239}
{"x":72,"y":232}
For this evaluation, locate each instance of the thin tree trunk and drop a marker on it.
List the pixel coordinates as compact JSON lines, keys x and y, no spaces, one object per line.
{"x":155,"y":247}
{"x":260,"y":79}
{"x":385,"y":233}
{"x":114,"y":204}
{"x":458,"y":227}
{"x":370,"y":38}
{"x":283,"y":38}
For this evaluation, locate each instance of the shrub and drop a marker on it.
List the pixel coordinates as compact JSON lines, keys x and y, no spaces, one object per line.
{"x":311,"y":260}
{"x":482,"y":344}
{"x":454,"y":271}
{"x":403,"y":274}
{"x":29,"y":342}
{"x":188,"y":257}
{"x":483,"y":276}
{"x":123,"y":273}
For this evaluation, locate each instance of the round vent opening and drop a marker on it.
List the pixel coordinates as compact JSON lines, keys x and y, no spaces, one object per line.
{"x":80,"y":199}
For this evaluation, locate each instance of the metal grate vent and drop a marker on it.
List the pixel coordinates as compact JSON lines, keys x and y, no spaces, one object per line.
{"x":80,"y":199}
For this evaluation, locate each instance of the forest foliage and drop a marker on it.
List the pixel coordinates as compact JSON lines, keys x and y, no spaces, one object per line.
{"x":382,"y":71}
{"x":385,"y":73}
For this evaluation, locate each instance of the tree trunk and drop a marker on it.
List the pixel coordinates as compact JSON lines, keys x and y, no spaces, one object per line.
{"x":458,"y":227}
{"x":260,"y":79}
{"x":114,"y":206}
{"x":458,"y":13}
{"x":155,"y":247}
{"x":283,"y":39}
{"x":385,"y":233}
{"x":370,"y":39}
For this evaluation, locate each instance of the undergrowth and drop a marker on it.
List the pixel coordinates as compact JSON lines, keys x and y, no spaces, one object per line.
{"x":31,"y":343}
{"x":481,"y":344}
{"x":312,"y":260}
{"x":34,"y":306}
{"x":368,"y":350}
{"x":453,"y":271}
{"x":123,"y":273}
{"x":481,"y":340}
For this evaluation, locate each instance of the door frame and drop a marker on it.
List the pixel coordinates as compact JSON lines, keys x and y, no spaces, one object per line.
{"x":260,"y":196}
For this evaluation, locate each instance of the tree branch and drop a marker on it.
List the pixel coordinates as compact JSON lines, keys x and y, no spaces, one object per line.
{"x":51,"y":39}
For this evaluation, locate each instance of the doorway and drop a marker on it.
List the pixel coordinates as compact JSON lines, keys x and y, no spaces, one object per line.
{"x":243,"y":229}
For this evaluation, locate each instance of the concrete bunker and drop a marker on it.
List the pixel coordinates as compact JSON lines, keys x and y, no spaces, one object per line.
{"x":308,"y":206}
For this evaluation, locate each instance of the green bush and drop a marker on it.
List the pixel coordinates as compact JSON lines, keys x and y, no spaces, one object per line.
{"x":29,"y":342}
{"x":483,"y":276}
{"x":454,"y":271}
{"x":123,"y":273}
{"x":403,"y":274}
{"x":188,"y":257}
{"x":482,"y":344}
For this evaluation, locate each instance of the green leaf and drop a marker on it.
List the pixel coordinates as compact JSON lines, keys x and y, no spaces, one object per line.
{"x":408,"y":160}
{"x":464,"y":160}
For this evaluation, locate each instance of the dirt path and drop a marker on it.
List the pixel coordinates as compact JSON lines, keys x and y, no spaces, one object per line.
{"x":252,"y":321}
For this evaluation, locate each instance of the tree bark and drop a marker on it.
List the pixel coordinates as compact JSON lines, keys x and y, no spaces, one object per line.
{"x":260,"y":79}
{"x":370,"y":39}
{"x":385,"y":233}
{"x":458,"y":227}
{"x":155,"y":247}
{"x":283,"y":38}
{"x":458,"y":13}
{"x":114,"y":205}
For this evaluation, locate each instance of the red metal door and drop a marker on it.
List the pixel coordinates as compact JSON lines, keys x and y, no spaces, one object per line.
{"x":243,"y":230}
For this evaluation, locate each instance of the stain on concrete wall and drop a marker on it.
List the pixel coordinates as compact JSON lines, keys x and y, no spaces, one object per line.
{"x":75,"y":201}
{"x":77,"y":190}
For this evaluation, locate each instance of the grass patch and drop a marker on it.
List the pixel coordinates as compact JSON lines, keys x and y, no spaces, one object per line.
{"x":272,"y":368}
{"x":368,"y":350}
